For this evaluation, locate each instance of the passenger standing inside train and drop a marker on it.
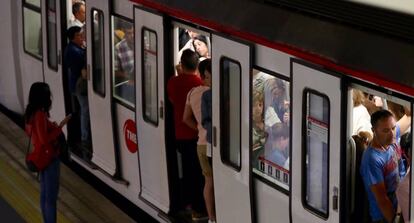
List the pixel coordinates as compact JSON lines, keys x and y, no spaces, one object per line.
{"x":382,"y":167}
{"x":186,"y":138}
{"x":202,"y":46}
{"x":192,"y":118}
{"x":403,"y":191}
{"x":43,"y":133}
{"x":75,"y":62}
{"x":79,"y":13}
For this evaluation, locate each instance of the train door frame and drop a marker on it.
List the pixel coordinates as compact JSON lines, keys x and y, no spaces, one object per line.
{"x":52,"y":73}
{"x":301,"y":93}
{"x":232,"y":178}
{"x":385,"y":93}
{"x":154,"y":184}
{"x":104,"y":153}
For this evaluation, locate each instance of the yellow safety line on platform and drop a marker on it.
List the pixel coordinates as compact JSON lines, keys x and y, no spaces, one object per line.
{"x":21,"y":194}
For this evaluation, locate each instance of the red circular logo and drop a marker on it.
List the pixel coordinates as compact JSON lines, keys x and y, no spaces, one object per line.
{"x":130,"y":134}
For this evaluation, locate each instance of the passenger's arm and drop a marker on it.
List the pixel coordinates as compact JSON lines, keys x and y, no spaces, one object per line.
{"x":404,"y":123}
{"x":188,"y":117}
{"x":384,"y":203}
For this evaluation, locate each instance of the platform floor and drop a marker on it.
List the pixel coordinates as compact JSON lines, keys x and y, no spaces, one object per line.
{"x":19,"y":188}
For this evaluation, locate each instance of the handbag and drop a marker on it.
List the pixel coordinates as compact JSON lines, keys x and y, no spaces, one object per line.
{"x":61,"y":146}
{"x":40,"y":158}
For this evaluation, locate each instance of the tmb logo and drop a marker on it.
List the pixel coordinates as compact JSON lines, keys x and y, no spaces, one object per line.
{"x":130,"y":134}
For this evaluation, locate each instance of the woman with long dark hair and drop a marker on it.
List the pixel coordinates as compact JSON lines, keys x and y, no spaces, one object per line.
{"x":44,"y":135}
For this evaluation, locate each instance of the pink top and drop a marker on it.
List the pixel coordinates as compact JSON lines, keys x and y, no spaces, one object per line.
{"x":194,"y":101}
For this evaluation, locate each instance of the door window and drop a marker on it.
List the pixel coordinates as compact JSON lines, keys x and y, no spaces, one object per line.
{"x":123,"y":61}
{"x":98,"y":69}
{"x":32,"y":28}
{"x":230,"y":112}
{"x":270,"y":128}
{"x":52,"y":55}
{"x":316,"y":151}
{"x":150,"y":77}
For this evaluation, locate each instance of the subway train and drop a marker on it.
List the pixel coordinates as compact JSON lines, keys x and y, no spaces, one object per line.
{"x":311,"y":54}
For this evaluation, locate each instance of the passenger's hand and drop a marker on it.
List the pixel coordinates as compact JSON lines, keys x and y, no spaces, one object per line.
{"x":84,"y":74}
{"x":65,"y":120}
{"x":286,"y":117}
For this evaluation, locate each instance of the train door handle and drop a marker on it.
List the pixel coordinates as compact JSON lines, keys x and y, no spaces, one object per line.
{"x":59,"y":57}
{"x":214,"y":136}
{"x":161,"y":109}
{"x":335,"y":199}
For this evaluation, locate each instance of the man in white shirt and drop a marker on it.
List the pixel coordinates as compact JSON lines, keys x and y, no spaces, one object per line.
{"x":78,"y":10}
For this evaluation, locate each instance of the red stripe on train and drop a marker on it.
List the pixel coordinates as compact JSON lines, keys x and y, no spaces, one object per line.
{"x":364,"y":75}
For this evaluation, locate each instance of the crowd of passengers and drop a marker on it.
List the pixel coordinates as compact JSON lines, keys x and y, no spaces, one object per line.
{"x":190,"y":94}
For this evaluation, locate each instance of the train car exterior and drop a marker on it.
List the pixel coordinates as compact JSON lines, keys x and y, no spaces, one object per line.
{"x":314,"y":55}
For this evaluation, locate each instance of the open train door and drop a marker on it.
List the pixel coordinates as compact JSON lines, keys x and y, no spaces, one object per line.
{"x":231,"y":72}
{"x":99,"y":85}
{"x":52,"y":56}
{"x":149,"y":39}
{"x":316,"y":144}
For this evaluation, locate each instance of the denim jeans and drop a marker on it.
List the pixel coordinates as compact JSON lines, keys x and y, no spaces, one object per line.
{"x":49,"y":189}
{"x":84,"y":117}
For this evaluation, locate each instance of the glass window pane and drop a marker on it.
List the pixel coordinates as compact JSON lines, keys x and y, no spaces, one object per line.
{"x":123,"y":61}
{"x":32,"y":32}
{"x":317,"y":152}
{"x":98,"y":71}
{"x":270,"y":128}
{"x":52,"y":56}
{"x":230,"y":103}
{"x":33,"y":2}
{"x":149,"y":83}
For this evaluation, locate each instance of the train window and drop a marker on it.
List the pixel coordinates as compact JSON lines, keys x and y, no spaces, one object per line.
{"x":52,"y":56}
{"x":32,"y":28}
{"x":98,"y":70}
{"x":230,"y":112}
{"x":123,"y":61}
{"x":270,"y":128}
{"x":33,"y":2}
{"x":316,"y":151}
{"x":150,"y":77}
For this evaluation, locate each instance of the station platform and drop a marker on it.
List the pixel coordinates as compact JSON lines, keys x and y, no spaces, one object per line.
{"x":19,"y":189}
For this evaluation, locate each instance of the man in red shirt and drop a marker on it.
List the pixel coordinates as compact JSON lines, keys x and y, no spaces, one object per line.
{"x":186,"y":138}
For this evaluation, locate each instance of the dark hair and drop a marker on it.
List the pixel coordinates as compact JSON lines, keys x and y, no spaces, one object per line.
{"x":72,"y":32}
{"x":277,"y":131}
{"x":406,"y":143}
{"x":76,"y":7}
{"x":40,"y":98}
{"x":202,"y":39}
{"x":204,"y":66}
{"x":189,"y":60}
{"x":380,"y":115}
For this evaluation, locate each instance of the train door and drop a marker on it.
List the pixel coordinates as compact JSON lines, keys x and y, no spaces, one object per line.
{"x":231,"y":68}
{"x":99,"y":85}
{"x":149,"y":39}
{"x":270,"y":136}
{"x":316,"y":145}
{"x":52,"y":59}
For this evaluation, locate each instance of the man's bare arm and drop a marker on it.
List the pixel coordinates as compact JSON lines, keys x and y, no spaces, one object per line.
{"x":384,"y":203}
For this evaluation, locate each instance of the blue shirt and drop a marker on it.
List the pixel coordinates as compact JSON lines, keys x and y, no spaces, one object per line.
{"x":74,"y":60}
{"x":382,"y":166}
{"x":206,"y":113}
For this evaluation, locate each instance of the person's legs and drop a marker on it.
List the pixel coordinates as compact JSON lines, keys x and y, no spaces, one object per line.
{"x":51,"y":189}
{"x":84,"y":117}
{"x":43,"y":194}
{"x":208,"y":181}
